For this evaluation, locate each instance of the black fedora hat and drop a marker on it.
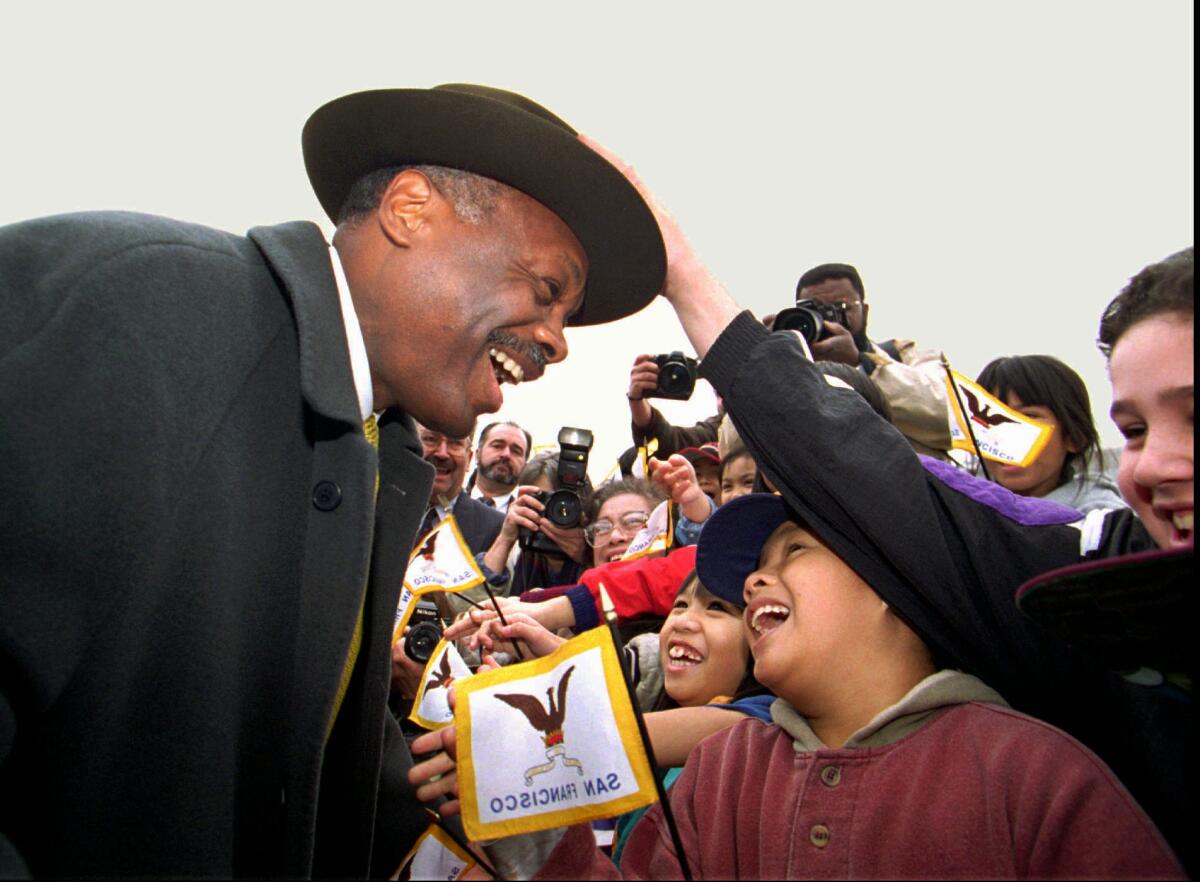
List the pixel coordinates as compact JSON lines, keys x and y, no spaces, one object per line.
{"x":506,"y":137}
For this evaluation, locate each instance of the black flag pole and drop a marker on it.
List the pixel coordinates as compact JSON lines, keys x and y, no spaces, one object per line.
{"x":516,"y":640}
{"x":610,"y":619}
{"x":966,"y":417}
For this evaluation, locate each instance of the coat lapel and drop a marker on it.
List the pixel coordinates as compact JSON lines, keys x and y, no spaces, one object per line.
{"x":299,"y":255}
{"x":370,"y":532}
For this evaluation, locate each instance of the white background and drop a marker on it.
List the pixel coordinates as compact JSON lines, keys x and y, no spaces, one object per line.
{"x":995,"y":171}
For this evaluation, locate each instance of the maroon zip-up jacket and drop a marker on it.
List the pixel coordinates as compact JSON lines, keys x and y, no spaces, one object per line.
{"x":933,"y":789}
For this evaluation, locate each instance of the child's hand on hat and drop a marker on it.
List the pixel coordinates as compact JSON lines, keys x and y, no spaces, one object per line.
{"x":700,"y":300}
{"x":677,"y":477}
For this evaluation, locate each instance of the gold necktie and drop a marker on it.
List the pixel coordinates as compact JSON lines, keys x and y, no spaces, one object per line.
{"x":371,"y":430}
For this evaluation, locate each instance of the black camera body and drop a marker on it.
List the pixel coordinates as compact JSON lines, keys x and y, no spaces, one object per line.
{"x":563,"y":507}
{"x":676,"y":377}
{"x":809,"y":318}
{"x":424,"y":631}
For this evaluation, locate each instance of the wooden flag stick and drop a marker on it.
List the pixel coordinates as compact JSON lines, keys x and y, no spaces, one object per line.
{"x":610,"y":619}
{"x":460,"y":842}
{"x":966,"y":417}
{"x":492,"y":597}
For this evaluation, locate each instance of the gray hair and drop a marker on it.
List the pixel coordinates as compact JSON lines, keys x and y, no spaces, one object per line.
{"x":473,"y":196}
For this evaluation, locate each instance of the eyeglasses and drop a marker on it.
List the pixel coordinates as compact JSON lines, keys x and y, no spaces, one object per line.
{"x":431,"y":441}
{"x":630,"y":523}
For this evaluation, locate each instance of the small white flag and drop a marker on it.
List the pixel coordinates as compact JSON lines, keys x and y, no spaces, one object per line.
{"x":550,"y":742}
{"x":440,"y":562}
{"x":656,"y":536}
{"x":1003,"y":434}
{"x":431,"y":707}
{"x":436,"y":856}
{"x":640,"y":468}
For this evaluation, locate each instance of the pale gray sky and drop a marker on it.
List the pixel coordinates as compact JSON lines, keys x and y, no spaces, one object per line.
{"x":995,"y":171}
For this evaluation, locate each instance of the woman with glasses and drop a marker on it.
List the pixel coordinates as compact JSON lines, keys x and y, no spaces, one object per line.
{"x":619,"y":509}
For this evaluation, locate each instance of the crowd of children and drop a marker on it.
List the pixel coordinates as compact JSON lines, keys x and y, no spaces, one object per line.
{"x":918,"y":723}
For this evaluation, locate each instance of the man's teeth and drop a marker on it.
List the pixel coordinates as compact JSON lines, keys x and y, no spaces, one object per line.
{"x":1183,"y":520}
{"x":777,"y":616}
{"x":515,"y":373}
{"x":683,"y":654}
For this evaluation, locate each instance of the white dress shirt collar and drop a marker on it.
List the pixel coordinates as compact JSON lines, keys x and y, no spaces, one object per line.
{"x":359,"y":365}
{"x":502,"y":502}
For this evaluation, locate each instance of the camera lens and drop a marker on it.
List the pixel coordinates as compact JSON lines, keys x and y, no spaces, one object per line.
{"x":674,"y":376}
{"x":421,"y":640}
{"x":563,"y":508}
{"x":799,"y":318}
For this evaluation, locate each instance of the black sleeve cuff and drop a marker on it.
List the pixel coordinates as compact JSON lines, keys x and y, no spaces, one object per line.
{"x":730,"y":350}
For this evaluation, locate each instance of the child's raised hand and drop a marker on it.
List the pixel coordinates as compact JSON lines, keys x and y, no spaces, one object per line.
{"x":678,"y":479}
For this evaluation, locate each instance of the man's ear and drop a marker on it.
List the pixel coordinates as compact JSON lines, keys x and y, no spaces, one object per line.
{"x":408,"y":204}
{"x":866,"y":308}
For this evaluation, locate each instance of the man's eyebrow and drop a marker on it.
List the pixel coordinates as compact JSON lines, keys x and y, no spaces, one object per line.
{"x":574,"y":270}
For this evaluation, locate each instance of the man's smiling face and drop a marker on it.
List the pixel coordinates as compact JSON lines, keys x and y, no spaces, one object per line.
{"x":449,"y":458}
{"x":459,"y":307}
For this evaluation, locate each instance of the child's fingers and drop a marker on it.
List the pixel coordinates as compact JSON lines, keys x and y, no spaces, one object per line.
{"x":538,"y":639}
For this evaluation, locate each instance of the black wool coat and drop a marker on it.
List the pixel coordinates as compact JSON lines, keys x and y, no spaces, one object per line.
{"x":188,"y":526}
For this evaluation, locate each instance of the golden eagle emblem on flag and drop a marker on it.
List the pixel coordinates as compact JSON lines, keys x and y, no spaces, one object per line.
{"x":985,"y":425}
{"x":982,"y":413}
{"x":572,"y":705}
{"x":548,"y":721}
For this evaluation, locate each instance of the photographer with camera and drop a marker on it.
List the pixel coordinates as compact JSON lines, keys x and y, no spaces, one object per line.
{"x":545,"y":520}
{"x":671,"y":376}
{"x":831,"y":314}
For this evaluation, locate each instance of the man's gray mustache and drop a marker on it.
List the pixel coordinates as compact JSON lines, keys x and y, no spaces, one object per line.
{"x":511,"y":342}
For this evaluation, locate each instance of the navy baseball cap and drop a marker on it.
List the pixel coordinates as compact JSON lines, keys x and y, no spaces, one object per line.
{"x":732,"y":540}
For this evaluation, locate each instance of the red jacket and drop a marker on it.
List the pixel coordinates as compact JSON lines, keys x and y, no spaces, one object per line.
{"x":642,"y":587}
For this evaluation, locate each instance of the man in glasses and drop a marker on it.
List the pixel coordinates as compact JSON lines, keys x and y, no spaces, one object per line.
{"x":450,"y":457}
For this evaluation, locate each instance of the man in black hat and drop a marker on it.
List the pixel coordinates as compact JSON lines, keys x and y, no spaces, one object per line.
{"x":207,"y":527}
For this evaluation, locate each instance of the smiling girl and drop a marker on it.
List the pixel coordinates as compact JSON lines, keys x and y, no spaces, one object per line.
{"x":1043,"y":388}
